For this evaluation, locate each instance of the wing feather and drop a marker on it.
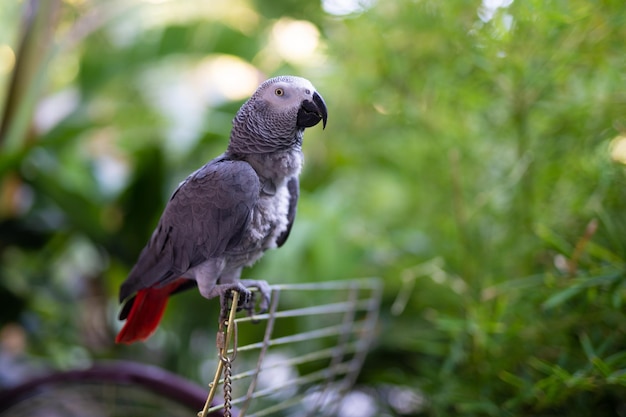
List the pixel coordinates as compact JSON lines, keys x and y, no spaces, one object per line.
{"x":206,"y":216}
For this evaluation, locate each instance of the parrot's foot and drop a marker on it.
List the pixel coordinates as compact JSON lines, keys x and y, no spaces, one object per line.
{"x":247,"y":299}
{"x":264,"y":289}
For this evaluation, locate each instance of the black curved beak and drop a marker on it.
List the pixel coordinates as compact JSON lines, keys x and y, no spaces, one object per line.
{"x":311,"y":112}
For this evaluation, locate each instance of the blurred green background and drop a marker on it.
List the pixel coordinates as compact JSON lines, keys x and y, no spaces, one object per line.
{"x":474,"y":159}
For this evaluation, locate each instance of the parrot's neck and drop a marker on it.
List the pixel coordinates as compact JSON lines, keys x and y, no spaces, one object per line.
{"x":247,"y":140}
{"x":275,"y":166}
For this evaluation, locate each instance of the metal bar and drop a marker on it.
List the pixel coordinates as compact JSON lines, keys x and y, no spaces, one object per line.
{"x":342,"y":368}
{"x":338,"y":354}
{"x":330,"y":285}
{"x":352,"y":347}
{"x":339,"y":307}
{"x":279,"y":406}
{"x":370,"y":327}
{"x":269,"y":329}
{"x":303,"y":337}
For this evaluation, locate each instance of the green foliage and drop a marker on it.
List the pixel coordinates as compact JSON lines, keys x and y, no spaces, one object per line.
{"x":470,"y":160}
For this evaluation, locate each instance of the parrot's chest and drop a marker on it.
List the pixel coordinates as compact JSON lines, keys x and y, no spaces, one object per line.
{"x":268,"y":220}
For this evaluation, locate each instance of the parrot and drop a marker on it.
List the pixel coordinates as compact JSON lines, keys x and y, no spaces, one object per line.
{"x":224,"y":216}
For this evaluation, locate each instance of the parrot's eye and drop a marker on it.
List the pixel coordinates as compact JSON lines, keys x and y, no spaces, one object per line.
{"x":307,"y":91}
{"x":279,"y":92}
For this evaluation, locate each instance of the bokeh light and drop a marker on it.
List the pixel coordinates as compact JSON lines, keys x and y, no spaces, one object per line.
{"x":618,"y":149}
{"x":295,"y":40}
{"x":7,"y":59}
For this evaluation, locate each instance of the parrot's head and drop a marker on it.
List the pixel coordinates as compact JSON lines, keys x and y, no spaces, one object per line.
{"x":275,"y":117}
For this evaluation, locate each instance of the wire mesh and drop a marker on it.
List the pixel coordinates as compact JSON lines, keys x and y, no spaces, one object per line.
{"x":313,"y":344}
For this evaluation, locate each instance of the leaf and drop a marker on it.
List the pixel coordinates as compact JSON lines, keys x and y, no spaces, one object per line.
{"x":512,"y":379}
{"x":587,"y":347}
{"x":579,"y":285}
{"x":561,"y":297}
{"x":601,"y":366}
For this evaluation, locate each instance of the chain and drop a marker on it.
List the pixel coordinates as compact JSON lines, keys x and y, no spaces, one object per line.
{"x":227,"y":331}
{"x":227,"y":386}
{"x":231,"y":332}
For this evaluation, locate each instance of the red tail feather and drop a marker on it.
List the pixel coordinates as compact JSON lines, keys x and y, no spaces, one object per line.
{"x":146,"y":312}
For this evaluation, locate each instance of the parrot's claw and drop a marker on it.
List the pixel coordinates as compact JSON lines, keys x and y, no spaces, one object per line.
{"x":264,"y":290}
{"x":225,"y":292}
{"x":247,"y":298}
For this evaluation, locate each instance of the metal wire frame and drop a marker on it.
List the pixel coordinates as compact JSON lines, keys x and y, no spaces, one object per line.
{"x":109,"y":388}
{"x":355,"y":302}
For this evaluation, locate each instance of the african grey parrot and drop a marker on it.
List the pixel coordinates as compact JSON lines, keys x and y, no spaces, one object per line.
{"x":225,"y":215}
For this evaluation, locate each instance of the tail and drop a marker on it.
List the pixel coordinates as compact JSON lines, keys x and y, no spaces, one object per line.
{"x":146,"y":310}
